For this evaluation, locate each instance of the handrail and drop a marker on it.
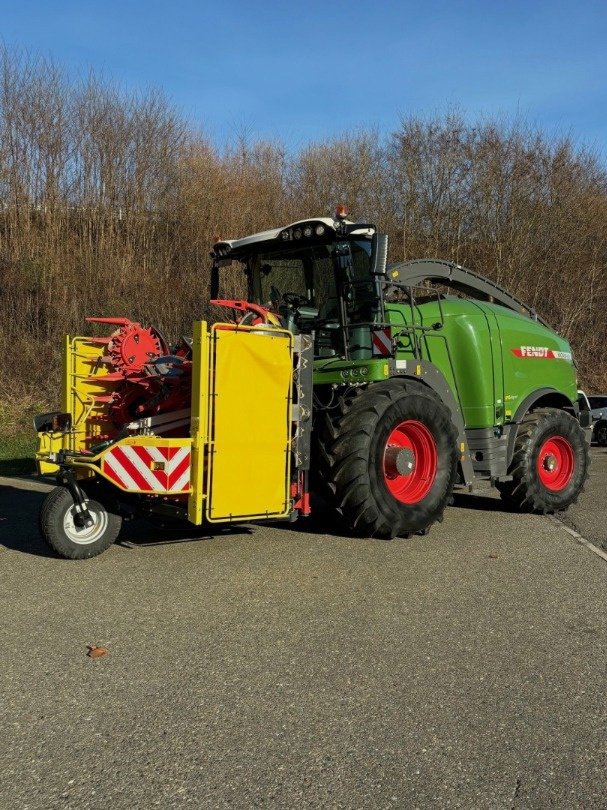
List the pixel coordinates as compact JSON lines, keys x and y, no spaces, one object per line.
{"x":453,"y":275}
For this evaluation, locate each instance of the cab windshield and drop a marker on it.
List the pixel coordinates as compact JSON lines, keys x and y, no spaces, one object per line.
{"x":307,"y":275}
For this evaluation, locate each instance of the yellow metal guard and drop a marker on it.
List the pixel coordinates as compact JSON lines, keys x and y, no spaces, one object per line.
{"x":199,"y":426}
{"x":250,"y":423}
{"x":239,"y":464}
{"x":85,"y":394}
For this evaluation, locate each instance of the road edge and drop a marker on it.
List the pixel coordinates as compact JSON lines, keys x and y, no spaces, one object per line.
{"x":579,"y":538}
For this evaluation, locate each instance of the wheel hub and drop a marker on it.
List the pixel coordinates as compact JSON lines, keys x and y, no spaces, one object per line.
{"x":398,"y":461}
{"x":83,"y":535}
{"x":550,"y":463}
{"x":410,"y":461}
{"x":555,"y":463}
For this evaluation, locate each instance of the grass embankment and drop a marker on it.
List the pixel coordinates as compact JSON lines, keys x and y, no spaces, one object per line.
{"x":17,"y":454}
{"x":17,"y":437}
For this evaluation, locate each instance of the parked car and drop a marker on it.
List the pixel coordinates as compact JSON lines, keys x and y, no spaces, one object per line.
{"x":598,"y":409}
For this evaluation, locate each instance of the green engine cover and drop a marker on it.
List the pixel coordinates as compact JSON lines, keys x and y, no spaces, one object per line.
{"x":492,"y":357}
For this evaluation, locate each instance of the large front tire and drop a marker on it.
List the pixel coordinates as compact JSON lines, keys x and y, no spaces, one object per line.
{"x":550,"y":463}
{"x":60,"y":530}
{"x":393,"y":460}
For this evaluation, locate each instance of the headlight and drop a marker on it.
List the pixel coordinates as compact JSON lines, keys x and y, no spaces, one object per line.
{"x":297,"y":234}
{"x":320,"y":229}
{"x":307,"y":231}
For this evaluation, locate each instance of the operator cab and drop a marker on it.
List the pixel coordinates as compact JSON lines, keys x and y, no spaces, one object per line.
{"x":319,"y":276}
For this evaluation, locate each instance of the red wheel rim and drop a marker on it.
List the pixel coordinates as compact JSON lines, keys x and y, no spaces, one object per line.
{"x":555,"y":463}
{"x":410,"y":461}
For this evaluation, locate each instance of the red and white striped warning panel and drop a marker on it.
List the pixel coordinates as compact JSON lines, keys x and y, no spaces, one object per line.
{"x":382,"y":342}
{"x":148,"y":468}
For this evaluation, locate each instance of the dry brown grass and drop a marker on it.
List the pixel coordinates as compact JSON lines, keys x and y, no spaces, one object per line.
{"x":17,"y":410}
{"x":109,"y":205}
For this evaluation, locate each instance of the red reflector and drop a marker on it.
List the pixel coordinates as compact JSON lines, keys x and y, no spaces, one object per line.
{"x":341,"y":212}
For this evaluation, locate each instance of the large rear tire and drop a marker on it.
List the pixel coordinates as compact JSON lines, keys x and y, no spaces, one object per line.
{"x":60,"y":530}
{"x":390,"y":460}
{"x":550,"y":463}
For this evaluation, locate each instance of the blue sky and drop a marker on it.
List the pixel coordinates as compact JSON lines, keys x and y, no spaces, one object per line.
{"x":299,"y":72}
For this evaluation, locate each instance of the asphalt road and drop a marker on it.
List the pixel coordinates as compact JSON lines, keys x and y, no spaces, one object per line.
{"x":589,"y":515}
{"x":287,"y":667}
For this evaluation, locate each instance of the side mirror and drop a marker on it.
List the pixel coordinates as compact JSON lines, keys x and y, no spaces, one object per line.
{"x":379,"y":254}
{"x":215,"y":280}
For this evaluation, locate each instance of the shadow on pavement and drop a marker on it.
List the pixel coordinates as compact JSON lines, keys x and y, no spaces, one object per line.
{"x":19,"y":521}
{"x":143,"y":533}
{"x":482,"y":503}
{"x":324,"y":520}
{"x":19,"y":510}
{"x":321,"y":524}
{"x":16,"y":466}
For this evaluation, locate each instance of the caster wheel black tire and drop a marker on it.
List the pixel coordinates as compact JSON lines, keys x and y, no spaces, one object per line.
{"x":60,"y":529}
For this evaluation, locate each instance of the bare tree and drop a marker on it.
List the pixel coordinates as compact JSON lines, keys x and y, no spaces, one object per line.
{"x":109,"y":204}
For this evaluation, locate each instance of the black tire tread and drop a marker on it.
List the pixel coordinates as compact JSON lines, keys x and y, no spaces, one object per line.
{"x":330,"y":429}
{"x":342,"y":457}
{"x":524,"y":492}
{"x":50,"y":522}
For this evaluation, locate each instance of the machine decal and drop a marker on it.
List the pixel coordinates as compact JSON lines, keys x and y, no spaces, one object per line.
{"x":148,"y":468}
{"x":382,"y":342}
{"x":543,"y":352}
